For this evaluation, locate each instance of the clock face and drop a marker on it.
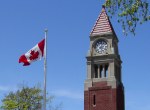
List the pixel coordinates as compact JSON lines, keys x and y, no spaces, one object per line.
{"x":101,"y":46}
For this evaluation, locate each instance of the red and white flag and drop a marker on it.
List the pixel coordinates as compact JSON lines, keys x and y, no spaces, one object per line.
{"x":33,"y":54}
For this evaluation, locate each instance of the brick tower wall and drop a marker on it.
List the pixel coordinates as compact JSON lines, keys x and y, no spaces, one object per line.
{"x":107,"y":98}
{"x":120,"y":98}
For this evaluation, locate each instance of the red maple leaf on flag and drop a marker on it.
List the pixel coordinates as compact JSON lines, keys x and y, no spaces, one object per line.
{"x":33,"y":55}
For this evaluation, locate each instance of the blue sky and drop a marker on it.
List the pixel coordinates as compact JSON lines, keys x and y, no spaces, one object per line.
{"x":22,"y":24}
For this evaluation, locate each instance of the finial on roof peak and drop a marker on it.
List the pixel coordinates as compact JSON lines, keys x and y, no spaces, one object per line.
{"x":103,"y":6}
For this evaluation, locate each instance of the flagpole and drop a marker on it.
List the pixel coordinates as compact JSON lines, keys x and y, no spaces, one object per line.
{"x":45,"y":68}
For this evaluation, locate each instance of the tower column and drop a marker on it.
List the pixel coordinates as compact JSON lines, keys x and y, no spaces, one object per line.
{"x":89,"y":75}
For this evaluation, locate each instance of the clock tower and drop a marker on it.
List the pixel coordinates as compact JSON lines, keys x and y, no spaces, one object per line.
{"x":103,"y":87}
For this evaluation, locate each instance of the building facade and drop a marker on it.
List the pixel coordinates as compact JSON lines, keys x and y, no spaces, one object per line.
{"x":103,"y":87}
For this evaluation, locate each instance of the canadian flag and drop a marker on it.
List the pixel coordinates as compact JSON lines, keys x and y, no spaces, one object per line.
{"x":33,"y":54}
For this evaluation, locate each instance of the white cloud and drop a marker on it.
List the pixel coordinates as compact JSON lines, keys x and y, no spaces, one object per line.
{"x":69,"y":94}
{"x":3,"y":88}
{"x":137,"y":100}
{"x":7,"y":88}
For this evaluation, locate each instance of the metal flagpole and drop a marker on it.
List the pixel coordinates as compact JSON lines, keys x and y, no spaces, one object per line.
{"x":45,"y":68}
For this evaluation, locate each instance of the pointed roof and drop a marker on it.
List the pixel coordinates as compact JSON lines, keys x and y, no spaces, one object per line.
{"x":102,"y":25}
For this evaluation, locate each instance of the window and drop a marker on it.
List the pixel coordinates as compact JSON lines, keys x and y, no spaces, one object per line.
{"x":101,"y":71}
{"x":106,"y":70}
{"x":96,"y":71}
{"x":94,"y":100}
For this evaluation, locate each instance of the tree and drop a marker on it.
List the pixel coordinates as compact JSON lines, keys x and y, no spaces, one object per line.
{"x":25,"y":99}
{"x":130,"y":12}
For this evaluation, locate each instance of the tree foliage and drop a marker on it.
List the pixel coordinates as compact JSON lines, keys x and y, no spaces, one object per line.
{"x":25,"y":99}
{"x":130,"y":12}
